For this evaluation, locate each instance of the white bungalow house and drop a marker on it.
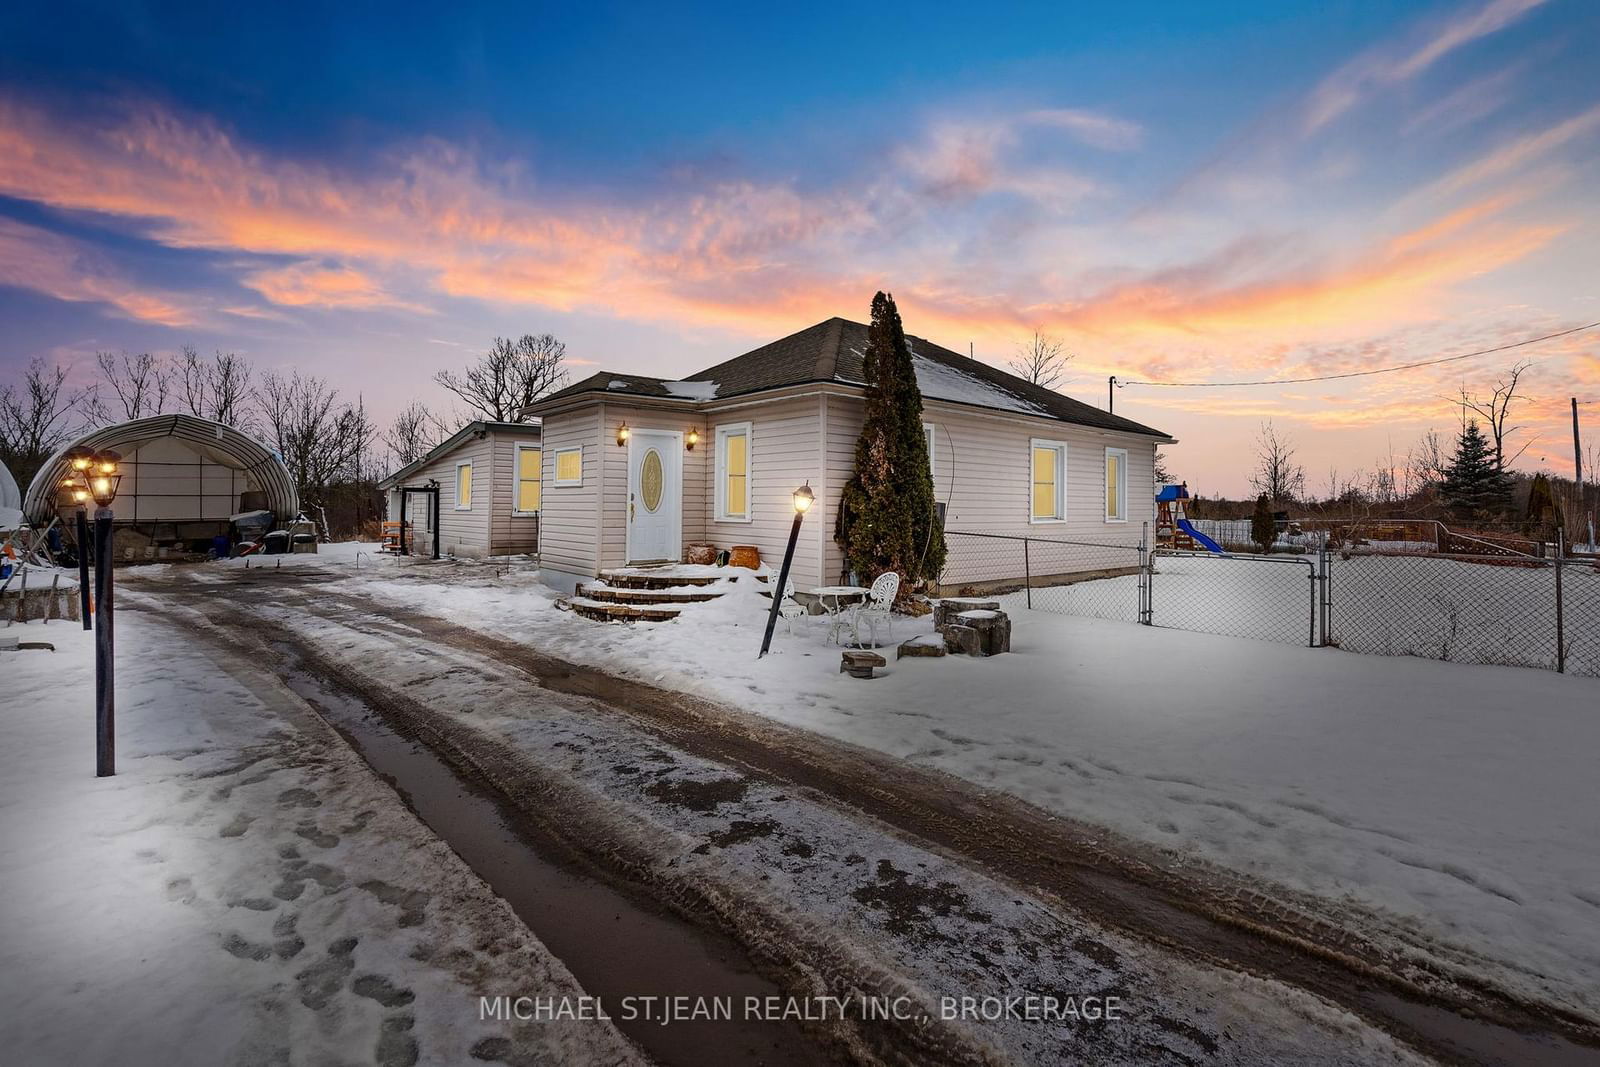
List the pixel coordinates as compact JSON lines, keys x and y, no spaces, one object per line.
{"x":716,"y":458}
{"x":487,"y":478}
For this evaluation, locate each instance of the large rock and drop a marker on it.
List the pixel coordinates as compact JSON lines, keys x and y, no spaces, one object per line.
{"x":962,"y":640}
{"x":978,"y":632}
{"x":921,"y":645}
{"x":860,"y":664}
{"x":994,"y":629}
{"x":946,"y":610}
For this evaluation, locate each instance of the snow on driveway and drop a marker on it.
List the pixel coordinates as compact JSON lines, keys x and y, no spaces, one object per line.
{"x":1451,"y":804}
{"x":244,"y":890}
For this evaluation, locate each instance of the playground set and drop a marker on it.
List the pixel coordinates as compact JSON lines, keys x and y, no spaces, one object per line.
{"x":1173,"y":528}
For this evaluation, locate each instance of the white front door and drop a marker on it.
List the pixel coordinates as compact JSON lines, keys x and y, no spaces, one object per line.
{"x":655,"y":489}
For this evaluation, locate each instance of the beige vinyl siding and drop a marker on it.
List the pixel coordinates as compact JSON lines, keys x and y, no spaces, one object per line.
{"x":568,"y":521}
{"x":461,"y":533}
{"x":844,"y":417}
{"x":983,"y":473}
{"x":613,"y":470}
{"x":784,"y":446}
{"x":509,"y":533}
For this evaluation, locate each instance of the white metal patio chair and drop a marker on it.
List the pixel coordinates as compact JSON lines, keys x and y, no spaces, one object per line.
{"x":790,"y":609}
{"x":880,"y":598}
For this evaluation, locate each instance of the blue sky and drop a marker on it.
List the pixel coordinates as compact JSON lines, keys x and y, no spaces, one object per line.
{"x":1177,"y":190}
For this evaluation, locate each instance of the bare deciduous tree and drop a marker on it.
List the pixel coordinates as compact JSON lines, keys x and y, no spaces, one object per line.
{"x":217,"y":390}
{"x":322,"y":439}
{"x":509,"y":377}
{"x":141,"y":384}
{"x":1277,"y":474}
{"x":1040,"y":360}
{"x":35,"y":419}
{"x":413,"y":433}
{"x":1427,"y":462}
{"x":1495,"y":411}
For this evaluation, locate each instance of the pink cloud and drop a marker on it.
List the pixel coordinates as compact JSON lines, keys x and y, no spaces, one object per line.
{"x":36,"y":259}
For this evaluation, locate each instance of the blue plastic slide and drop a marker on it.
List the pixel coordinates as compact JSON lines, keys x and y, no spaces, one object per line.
{"x":1199,"y":538}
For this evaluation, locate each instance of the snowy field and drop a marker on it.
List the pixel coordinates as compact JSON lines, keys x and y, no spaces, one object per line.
{"x":1448,"y":806}
{"x":244,"y":890}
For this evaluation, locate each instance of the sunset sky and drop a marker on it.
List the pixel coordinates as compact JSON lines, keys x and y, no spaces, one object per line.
{"x":1183,"y":191}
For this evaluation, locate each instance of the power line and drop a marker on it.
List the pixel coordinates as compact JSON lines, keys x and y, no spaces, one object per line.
{"x":1367,"y":373}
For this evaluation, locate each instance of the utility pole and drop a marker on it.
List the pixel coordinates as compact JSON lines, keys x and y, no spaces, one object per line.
{"x":1577,"y":452}
{"x":1111,"y":395}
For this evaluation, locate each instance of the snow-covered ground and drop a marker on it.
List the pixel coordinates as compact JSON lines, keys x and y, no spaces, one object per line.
{"x":244,"y":890}
{"x":1452,"y":802}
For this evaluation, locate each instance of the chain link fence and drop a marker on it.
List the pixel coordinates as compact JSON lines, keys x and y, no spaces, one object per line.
{"x":1101,"y":580}
{"x":1268,"y":598}
{"x":1490,"y":608}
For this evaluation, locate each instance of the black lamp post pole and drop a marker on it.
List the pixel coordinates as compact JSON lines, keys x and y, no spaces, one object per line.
{"x":783,"y":582}
{"x":105,"y":748}
{"x":83,"y":569}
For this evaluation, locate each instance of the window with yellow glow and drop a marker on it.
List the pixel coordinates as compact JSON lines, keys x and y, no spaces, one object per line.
{"x":1049,"y":472}
{"x":463,"y":486}
{"x":1116,"y":485}
{"x":733,"y":473}
{"x":569,"y":466}
{"x":530,"y":475}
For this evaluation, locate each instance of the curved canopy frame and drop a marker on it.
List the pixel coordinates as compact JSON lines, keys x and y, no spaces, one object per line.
{"x":222,"y":444}
{"x":10,"y":495}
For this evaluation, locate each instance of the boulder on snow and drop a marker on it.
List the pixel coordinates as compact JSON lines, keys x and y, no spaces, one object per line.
{"x":946,"y":610}
{"x":921,"y":645}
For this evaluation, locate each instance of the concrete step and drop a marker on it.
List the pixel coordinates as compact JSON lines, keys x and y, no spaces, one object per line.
{"x":668,"y":577}
{"x":693,"y":594}
{"x":606,"y":611}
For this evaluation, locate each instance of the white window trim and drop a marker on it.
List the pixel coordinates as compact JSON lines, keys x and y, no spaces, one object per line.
{"x":723,"y":432}
{"x":516,"y":476}
{"x":1061,"y":481}
{"x":467,"y":463}
{"x":555,"y":465}
{"x":930,"y":434}
{"x":1122,"y":490}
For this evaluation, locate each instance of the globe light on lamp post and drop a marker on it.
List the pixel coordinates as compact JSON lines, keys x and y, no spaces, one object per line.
{"x":78,"y":461}
{"x":803,"y":499}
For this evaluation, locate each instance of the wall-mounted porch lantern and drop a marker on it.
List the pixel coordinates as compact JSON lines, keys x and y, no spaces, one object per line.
{"x":623,"y":433}
{"x":691,"y":438}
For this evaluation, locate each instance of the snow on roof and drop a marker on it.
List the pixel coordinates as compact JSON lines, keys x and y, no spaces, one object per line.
{"x":691,"y":390}
{"x":944,"y":382}
{"x":617,"y":383}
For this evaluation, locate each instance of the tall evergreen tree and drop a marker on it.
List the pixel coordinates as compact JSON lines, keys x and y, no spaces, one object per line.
{"x":886,"y":513}
{"x":1473,"y":486}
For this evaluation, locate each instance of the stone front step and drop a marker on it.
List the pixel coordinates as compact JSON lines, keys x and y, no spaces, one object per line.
{"x":606,"y":611}
{"x":668,"y":577}
{"x":695,"y":594}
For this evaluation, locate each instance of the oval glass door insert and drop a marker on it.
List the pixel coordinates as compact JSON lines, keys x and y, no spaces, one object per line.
{"x":650,"y":480}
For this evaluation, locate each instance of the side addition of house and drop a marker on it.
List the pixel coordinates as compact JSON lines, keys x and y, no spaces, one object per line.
{"x":488,"y":479}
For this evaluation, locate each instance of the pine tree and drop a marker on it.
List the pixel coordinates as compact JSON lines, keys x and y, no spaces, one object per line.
{"x":1263,"y":530}
{"x":1473,"y":486}
{"x":887,"y":520}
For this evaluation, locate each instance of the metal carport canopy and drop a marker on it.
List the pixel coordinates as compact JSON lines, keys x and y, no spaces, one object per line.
{"x":220,"y":443}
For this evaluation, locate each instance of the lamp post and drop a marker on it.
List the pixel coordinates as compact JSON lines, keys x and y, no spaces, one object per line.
{"x":97,"y":476}
{"x":803,"y":498}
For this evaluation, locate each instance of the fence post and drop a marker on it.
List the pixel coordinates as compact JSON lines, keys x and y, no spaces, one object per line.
{"x":1311,"y":617}
{"x":1027,"y":575}
{"x":1561,"y":637}
{"x":1322,"y":599}
{"x":1146,"y":569}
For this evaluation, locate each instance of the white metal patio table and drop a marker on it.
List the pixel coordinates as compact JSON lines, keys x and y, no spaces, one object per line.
{"x":839,"y":602}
